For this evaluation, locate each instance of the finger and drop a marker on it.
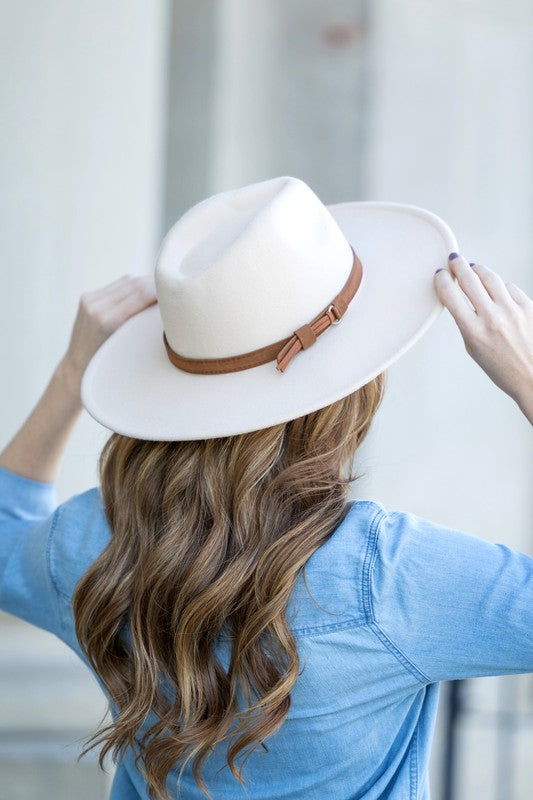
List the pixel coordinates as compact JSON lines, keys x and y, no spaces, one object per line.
{"x":137,"y":300}
{"x":121,"y":287}
{"x":494,"y":285}
{"x":518,"y":295}
{"x":471,"y":284}
{"x":130,"y":286}
{"x":119,"y":283}
{"x":452,"y":297}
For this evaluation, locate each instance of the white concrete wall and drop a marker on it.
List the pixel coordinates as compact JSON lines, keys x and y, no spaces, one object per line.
{"x":82,"y":93}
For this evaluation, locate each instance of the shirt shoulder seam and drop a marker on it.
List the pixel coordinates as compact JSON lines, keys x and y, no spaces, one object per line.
{"x":368,"y":562}
{"x":368,"y":566}
{"x":49,"y":558}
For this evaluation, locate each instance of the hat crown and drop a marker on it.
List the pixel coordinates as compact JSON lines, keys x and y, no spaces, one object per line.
{"x":245,"y":268}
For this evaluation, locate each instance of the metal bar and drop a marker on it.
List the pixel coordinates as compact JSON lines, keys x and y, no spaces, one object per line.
{"x":453,"y":709}
{"x":506,"y":726}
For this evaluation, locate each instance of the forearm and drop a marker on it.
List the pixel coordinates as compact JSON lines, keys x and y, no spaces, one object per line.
{"x":525,"y":403}
{"x":37,"y":449}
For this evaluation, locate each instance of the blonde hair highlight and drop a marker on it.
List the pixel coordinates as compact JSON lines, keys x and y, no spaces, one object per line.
{"x":208,"y":534}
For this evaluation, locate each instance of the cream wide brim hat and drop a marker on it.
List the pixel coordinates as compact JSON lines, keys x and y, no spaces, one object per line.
{"x":131,"y":387}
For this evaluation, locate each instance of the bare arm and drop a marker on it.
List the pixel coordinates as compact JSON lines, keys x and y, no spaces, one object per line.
{"x":496,"y":325}
{"x":36,"y":450}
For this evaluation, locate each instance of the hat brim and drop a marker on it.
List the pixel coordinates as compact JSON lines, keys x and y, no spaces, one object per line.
{"x":131,"y":387}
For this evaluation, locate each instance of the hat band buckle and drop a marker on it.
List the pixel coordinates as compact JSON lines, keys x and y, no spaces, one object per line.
{"x":336,"y":313}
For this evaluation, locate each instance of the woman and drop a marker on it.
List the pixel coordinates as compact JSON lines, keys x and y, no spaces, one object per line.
{"x":180,"y":582}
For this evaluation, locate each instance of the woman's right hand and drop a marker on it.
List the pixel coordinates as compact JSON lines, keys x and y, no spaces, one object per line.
{"x":497,"y":328}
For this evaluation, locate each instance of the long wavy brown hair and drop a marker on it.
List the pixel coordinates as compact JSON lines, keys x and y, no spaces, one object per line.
{"x":206,"y":534}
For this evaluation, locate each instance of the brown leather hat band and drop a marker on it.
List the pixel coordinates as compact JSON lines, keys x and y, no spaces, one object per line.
{"x":284,"y":350}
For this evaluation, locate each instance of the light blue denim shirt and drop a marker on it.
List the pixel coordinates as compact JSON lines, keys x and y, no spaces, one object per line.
{"x":400,"y":603}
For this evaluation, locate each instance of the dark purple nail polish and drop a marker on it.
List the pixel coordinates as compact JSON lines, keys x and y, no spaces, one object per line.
{"x":440,"y":269}
{"x":472,"y":263}
{"x":452,"y":256}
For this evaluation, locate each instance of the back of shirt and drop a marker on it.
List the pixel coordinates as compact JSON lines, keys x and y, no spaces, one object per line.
{"x":393,"y":604}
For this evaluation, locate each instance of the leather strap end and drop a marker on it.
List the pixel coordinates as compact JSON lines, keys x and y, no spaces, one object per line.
{"x":287,"y":353}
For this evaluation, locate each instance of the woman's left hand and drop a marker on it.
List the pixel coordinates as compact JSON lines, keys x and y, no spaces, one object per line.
{"x":100,"y":313}
{"x":37,"y":448}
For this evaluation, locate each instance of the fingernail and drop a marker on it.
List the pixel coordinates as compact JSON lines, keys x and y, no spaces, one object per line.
{"x":440,"y":269}
{"x":452,"y":256}
{"x":472,"y":263}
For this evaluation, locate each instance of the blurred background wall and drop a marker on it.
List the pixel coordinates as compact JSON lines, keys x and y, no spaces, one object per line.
{"x":116,"y":117}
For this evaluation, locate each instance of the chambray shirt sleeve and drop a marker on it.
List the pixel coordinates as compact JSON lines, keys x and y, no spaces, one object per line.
{"x":448,"y":604}
{"x":28,"y":515}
